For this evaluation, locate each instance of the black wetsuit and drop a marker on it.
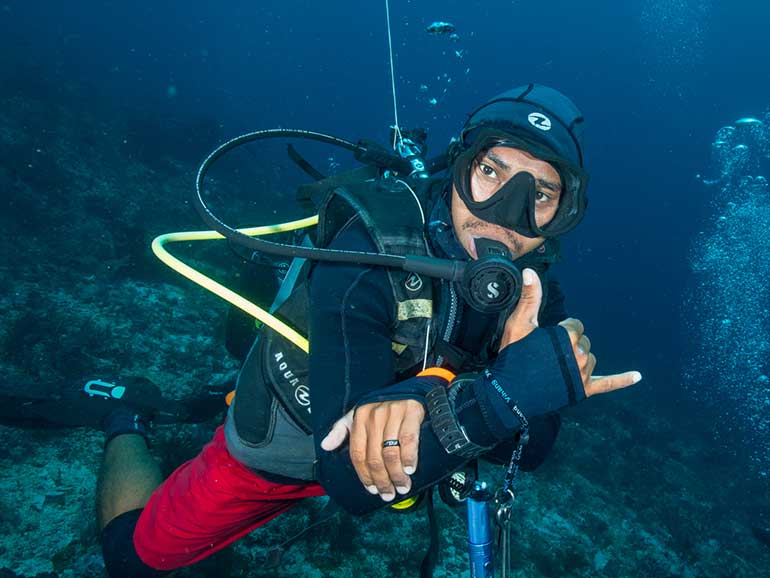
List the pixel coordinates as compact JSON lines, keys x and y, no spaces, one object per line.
{"x":351,"y":362}
{"x":351,"y":314}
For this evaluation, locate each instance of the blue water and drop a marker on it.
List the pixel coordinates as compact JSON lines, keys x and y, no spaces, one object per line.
{"x":655,"y":80}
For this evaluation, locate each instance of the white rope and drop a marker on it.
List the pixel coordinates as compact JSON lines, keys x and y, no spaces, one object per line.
{"x":427,"y":342}
{"x":397,"y":130}
{"x":416,"y":200}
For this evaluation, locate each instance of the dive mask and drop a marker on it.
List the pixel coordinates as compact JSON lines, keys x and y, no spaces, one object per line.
{"x":513,"y":205}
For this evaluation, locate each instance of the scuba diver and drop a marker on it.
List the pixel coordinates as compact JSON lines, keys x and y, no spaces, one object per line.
{"x":411,"y":378}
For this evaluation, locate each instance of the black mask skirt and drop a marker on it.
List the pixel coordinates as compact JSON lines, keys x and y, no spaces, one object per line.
{"x":513,"y":205}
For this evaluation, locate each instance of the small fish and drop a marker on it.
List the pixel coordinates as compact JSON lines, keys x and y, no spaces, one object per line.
{"x":439,"y":28}
{"x":454,"y":37}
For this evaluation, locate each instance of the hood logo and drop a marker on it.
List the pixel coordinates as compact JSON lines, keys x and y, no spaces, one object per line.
{"x":539,"y":120}
{"x":413,"y":283}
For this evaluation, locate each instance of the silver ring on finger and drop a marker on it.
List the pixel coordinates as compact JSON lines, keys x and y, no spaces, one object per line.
{"x":391,"y":443}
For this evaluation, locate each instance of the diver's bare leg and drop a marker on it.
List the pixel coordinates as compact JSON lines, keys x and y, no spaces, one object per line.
{"x":128,"y":476}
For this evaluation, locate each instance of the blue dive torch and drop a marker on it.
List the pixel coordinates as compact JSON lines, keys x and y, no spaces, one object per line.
{"x":480,"y":532}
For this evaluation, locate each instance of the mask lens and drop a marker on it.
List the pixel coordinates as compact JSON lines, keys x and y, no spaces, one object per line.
{"x":572,"y":202}
{"x":486,"y":180}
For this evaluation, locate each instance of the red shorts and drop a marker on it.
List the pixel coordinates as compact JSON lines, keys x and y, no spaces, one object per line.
{"x":206,"y":504}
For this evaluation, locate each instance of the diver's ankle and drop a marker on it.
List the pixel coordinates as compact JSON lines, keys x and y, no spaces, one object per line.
{"x":123,"y":421}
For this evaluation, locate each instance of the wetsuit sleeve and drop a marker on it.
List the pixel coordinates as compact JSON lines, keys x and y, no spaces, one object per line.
{"x":535,"y":375}
{"x":543,"y":429}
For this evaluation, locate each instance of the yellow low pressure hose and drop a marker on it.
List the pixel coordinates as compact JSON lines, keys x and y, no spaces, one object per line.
{"x":158,"y":247}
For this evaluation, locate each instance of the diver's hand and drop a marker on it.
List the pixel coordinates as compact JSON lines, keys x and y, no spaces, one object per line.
{"x":382,"y":470}
{"x":594,"y":384}
{"x":523,"y":321}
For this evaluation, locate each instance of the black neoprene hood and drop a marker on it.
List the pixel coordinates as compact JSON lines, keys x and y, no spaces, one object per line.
{"x":535,"y":112}
{"x":548,"y":125}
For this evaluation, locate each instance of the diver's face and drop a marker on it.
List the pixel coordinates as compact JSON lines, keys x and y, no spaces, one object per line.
{"x":491,"y":170}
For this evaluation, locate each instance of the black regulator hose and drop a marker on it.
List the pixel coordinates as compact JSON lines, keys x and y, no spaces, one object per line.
{"x":442,"y":268}
{"x":491,"y":283}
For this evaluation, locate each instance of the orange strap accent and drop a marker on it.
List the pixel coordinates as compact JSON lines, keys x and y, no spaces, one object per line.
{"x":229,"y":397}
{"x":438,"y":372}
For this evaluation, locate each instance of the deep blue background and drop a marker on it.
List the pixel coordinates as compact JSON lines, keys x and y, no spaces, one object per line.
{"x":655,"y":80}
